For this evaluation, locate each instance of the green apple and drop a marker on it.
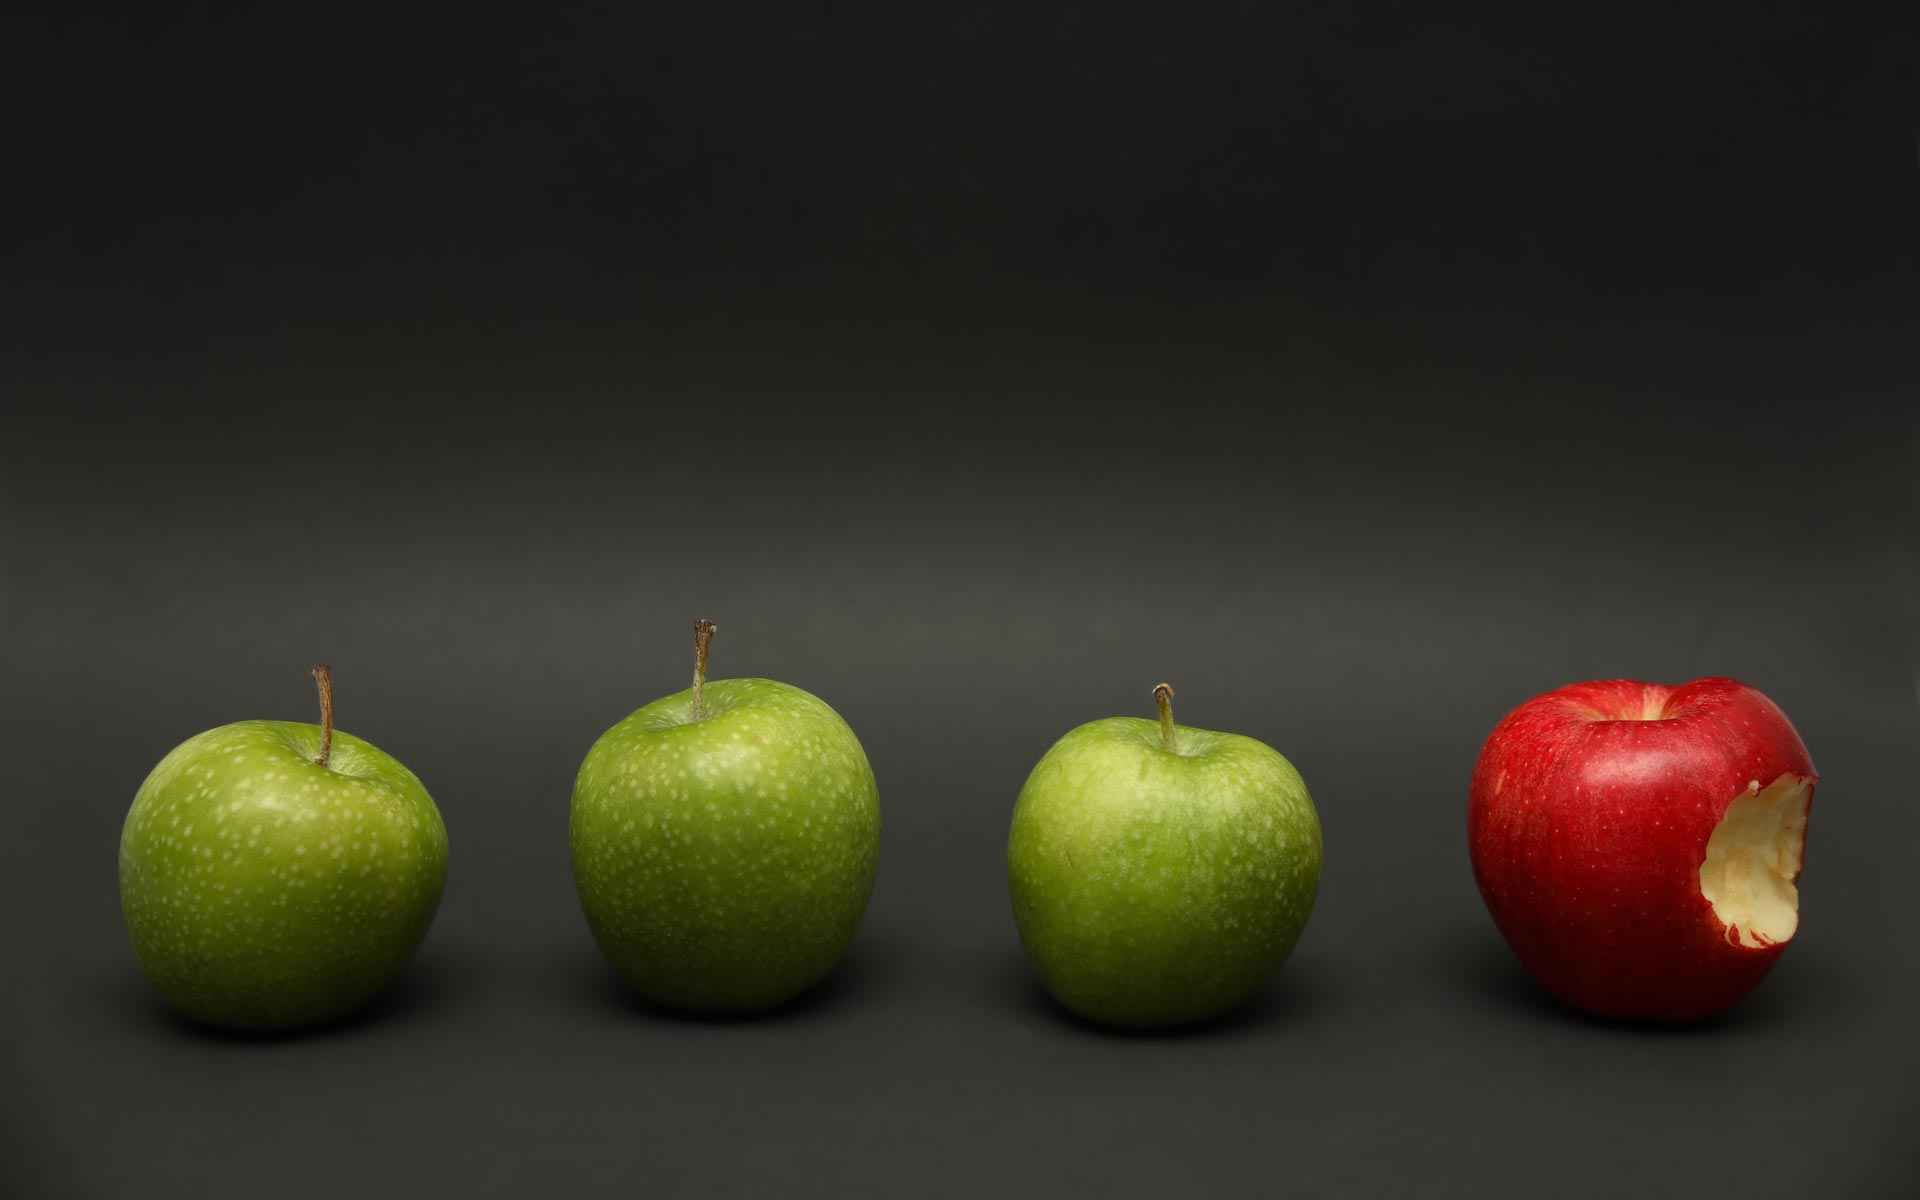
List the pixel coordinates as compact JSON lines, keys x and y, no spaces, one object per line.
{"x":725,"y":840}
{"x":1160,"y":874}
{"x":275,"y":874}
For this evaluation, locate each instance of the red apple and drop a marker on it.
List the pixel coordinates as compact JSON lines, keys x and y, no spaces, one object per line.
{"x":1638,"y":845}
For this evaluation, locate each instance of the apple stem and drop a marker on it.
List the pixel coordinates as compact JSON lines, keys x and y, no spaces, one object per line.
{"x":703,"y":631}
{"x":323,"y":678}
{"x":1163,"y":695}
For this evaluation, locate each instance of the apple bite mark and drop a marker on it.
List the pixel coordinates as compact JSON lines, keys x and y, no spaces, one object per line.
{"x":1753,"y":859}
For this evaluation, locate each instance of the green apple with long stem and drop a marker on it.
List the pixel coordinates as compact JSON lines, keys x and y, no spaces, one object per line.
{"x":1160,"y":874}
{"x":725,"y":840}
{"x":275,"y":874}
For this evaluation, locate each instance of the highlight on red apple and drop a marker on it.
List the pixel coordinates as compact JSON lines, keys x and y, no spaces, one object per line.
{"x":1639,"y":846}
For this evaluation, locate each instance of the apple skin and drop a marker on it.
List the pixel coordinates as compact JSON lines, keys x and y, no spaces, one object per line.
{"x":264,"y":891}
{"x":1157,"y":887}
{"x":1589,"y":817}
{"x":724,"y":864}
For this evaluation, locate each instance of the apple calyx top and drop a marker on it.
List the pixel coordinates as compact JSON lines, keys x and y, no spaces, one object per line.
{"x":323,"y":679}
{"x":703,"y":631}
{"x":1163,"y":696}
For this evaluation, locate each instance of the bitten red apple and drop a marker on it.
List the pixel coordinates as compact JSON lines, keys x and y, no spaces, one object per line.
{"x":1639,"y":845}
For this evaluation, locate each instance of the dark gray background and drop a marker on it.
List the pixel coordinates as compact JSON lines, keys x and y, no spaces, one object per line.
{"x":1361,"y":373}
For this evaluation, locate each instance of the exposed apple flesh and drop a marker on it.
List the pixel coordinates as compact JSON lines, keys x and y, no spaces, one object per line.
{"x":1753,"y":859}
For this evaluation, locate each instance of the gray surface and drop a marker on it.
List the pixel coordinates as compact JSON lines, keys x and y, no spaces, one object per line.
{"x":1355,"y":489}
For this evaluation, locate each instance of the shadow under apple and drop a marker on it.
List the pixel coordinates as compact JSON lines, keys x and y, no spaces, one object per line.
{"x":428,"y":984}
{"x":1294,"y":994}
{"x":1480,"y":965}
{"x":595,"y":982}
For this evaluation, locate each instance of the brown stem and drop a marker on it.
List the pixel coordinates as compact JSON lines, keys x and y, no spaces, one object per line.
{"x":703,"y":631}
{"x":1163,"y":695}
{"x":323,"y":677}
